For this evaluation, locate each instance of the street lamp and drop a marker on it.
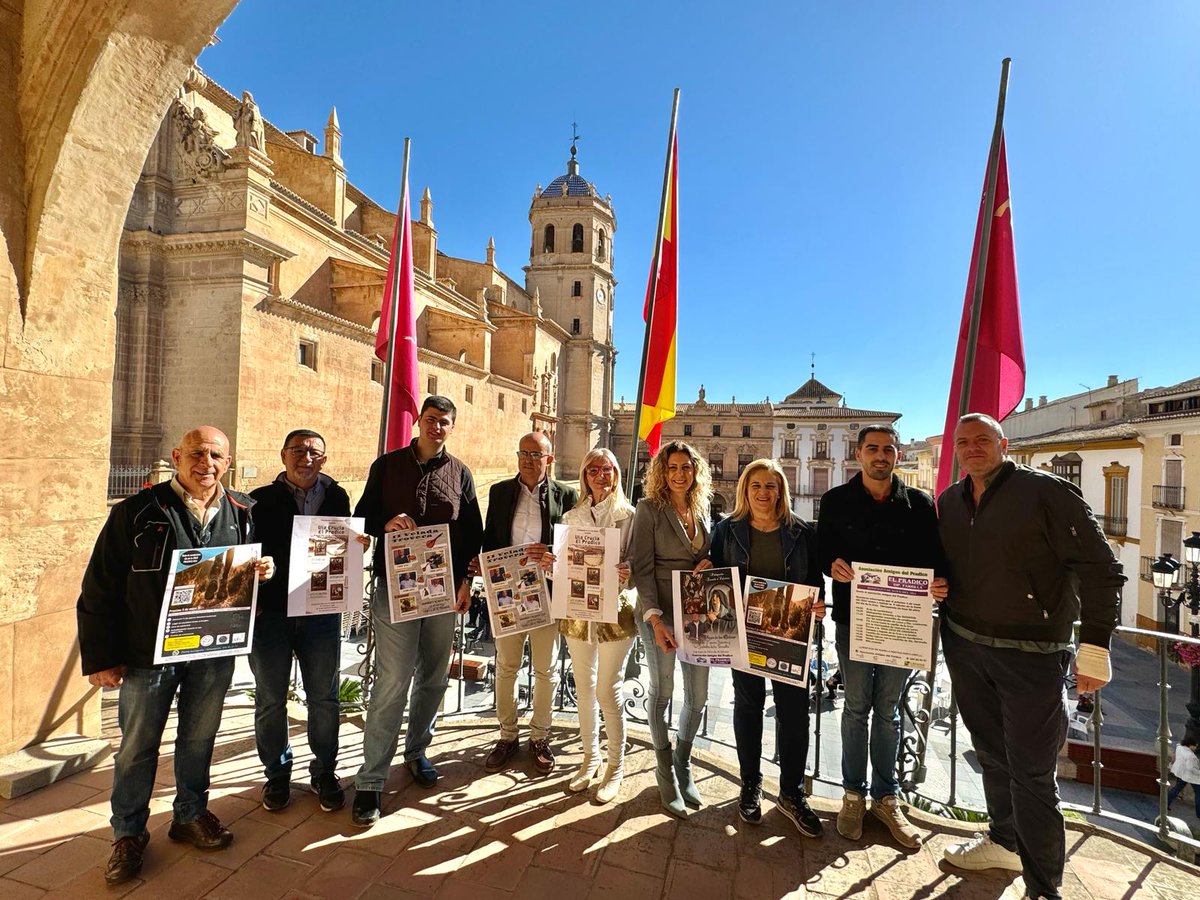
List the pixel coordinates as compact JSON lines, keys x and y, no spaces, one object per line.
{"x":1165,"y":574}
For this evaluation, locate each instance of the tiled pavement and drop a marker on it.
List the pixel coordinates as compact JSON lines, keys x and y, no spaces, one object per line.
{"x":481,"y":836}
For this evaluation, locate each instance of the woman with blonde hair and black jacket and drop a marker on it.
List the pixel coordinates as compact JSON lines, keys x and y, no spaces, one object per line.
{"x":671,"y":533}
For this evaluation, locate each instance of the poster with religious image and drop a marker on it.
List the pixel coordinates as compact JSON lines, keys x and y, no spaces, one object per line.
{"x":420,"y":577}
{"x":586,"y":584}
{"x":515,"y":585}
{"x":777,"y":629}
{"x":325,"y":566}
{"x":209,"y":604}
{"x":706,"y":620}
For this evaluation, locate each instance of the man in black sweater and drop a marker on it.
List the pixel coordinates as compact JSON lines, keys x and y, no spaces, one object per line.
{"x":315,"y":641}
{"x":874,"y":518}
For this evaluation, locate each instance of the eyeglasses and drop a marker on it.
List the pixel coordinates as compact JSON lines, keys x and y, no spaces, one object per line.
{"x":311,"y":452}
{"x":593,"y":471}
{"x":535,"y":455}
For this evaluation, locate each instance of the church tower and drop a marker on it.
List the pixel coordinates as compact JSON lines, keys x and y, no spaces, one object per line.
{"x":570,"y":266}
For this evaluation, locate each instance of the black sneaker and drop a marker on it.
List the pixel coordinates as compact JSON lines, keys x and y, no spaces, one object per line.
{"x":750,"y":805}
{"x":329,"y":791}
{"x":797,"y":809}
{"x":277,"y":793}
{"x":366,"y":809}
{"x":423,"y":772}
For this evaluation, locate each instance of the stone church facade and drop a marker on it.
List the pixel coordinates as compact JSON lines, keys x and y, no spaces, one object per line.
{"x":250,"y":277}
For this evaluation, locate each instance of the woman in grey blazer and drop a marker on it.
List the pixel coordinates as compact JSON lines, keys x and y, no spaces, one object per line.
{"x":671,"y":533}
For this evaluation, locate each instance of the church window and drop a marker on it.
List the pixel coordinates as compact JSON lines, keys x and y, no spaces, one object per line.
{"x":377,"y":371}
{"x":306,"y":354}
{"x":577,"y":238}
{"x":548,"y":240}
{"x":524,"y":405}
{"x":716,"y":431}
{"x":577,"y":289}
{"x":431,"y":384}
{"x":745,"y":431}
{"x":499,"y":401}
{"x":470,"y":394}
{"x":687,"y":430}
{"x":574,"y":326}
{"x":600,"y":245}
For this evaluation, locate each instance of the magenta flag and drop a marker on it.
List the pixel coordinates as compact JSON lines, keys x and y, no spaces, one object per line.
{"x":400,"y":373}
{"x":998,"y":382}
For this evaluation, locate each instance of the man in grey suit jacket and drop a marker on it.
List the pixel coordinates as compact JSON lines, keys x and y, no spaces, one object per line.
{"x":524,"y":510}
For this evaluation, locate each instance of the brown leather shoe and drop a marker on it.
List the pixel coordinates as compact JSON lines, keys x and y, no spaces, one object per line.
{"x":206,"y":833}
{"x":500,"y":755}
{"x":543,"y":757}
{"x":126,"y":860}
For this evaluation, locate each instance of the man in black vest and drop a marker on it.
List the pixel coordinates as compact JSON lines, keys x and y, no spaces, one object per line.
{"x":523,"y":510}
{"x":118,"y":612}
{"x":415,"y":486}
{"x":315,"y":641}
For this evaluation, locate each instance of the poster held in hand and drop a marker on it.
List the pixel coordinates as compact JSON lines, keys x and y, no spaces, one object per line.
{"x":515,"y":585}
{"x":420,"y":573}
{"x":586,"y":583}
{"x":891,"y":616}
{"x":777,"y":629}
{"x":325,"y":568}
{"x":706,"y":620}
{"x":209,"y":604}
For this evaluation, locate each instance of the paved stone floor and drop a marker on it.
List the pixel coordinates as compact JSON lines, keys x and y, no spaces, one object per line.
{"x":482,"y":836}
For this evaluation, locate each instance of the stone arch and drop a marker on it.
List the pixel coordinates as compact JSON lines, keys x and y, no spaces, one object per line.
{"x":93,"y":81}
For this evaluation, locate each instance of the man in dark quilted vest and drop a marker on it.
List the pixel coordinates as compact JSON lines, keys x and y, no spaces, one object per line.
{"x":413,"y":487}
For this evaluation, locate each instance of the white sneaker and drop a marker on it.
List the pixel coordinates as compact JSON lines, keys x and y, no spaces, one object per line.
{"x":982,"y":853}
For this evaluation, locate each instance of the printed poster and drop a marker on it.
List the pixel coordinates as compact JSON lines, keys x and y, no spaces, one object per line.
{"x":325,"y":571}
{"x":516,"y":590}
{"x":891,"y":616}
{"x":706,"y":620}
{"x":208,"y":607}
{"x":586,"y":584}
{"x":419,"y":573}
{"x":777,"y":629}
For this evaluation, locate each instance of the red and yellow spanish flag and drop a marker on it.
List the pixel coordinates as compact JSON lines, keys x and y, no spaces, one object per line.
{"x":658,"y":397}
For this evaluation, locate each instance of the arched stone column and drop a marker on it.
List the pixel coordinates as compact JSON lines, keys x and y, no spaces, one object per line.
{"x":93,"y":79}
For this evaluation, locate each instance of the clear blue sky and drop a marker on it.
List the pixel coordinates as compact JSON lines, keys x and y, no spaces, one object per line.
{"x":831,"y":161}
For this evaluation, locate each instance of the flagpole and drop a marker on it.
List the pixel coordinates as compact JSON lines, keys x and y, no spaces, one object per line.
{"x":631,"y":471}
{"x":980,"y":273}
{"x":393,"y":302}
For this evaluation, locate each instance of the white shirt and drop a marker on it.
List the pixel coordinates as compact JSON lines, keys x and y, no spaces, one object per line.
{"x":527,"y":518}
{"x":1187,"y":766}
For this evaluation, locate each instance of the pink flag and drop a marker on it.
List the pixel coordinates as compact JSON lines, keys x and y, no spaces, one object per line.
{"x":400,"y":376}
{"x":998,"y":382}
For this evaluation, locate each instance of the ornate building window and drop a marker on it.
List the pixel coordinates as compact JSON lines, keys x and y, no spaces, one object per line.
{"x":600,"y":245}
{"x":577,"y":238}
{"x":1115,"y":520}
{"x":548,"y":239}
{"x":716,"y":462}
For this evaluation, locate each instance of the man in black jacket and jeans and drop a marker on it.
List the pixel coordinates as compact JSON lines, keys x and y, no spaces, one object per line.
{"x":874,"y":518}
{"x":315,"y":641}
{"x":1026,"y":558}
{"x":118,"y":612}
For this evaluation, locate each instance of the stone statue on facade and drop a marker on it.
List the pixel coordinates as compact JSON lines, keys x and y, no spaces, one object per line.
{"x":249,"y":124}
{"x":199,"y":158}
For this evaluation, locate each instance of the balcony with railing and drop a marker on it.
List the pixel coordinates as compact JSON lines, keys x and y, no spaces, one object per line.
{"x":1168,"y":496}
{"x":1114,"y":526}
{"x":1146,"y":574}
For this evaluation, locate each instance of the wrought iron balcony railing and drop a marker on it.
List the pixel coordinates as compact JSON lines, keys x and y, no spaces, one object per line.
{"x":1168,"y":496}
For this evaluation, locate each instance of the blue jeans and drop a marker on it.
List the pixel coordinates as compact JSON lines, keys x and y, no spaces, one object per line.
{"x":871,"y":691}
{"x":412,"y":654}
{"x":662,"y":686}
{"x":145,"y":703}
{"x":316,"y":642}
{"x":1177,"y":789}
